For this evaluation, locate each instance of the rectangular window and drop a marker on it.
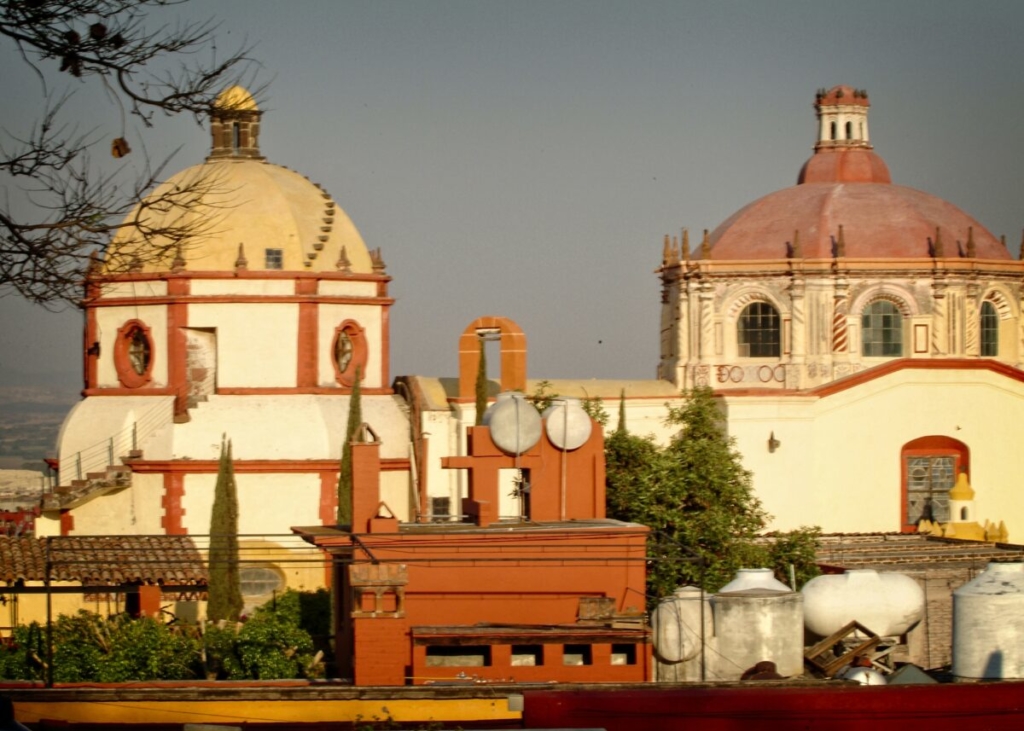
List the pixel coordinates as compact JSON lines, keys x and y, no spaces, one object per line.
{"x":274,"y":259}
{"x":459,"y":657}
{"x":577,"y":655}
{"x":623,"y":654}
{"x":440,"y":509}
{"x":527,"y":655}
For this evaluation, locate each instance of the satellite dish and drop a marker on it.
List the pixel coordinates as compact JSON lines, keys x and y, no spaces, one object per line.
{"x":567,"y":424}
{"x":515,"y":424}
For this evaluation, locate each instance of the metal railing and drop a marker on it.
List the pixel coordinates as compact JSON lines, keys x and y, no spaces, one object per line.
{"x":97,"y":457}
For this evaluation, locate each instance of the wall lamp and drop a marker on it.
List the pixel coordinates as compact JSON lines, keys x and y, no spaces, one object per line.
{"x":773,"y":443}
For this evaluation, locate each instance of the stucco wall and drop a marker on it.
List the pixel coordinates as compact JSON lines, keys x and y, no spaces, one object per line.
{"x":110,"y":319}
{"x":838,"y":465}
{"x":256,"y":344}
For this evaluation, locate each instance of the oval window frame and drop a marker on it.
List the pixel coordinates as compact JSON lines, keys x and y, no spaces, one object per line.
{"x":127,"y":375}
{"x":356,"y":335}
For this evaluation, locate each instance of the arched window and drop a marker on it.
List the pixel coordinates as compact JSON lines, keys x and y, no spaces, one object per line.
{"x":930,"y":466}
{"x":849,"y":130}
{"x":833,"y":130}
{"x":881,"y":327}
{"x":758,"y":332}
{"x":236,"y":137}
{"x":989,"y":330}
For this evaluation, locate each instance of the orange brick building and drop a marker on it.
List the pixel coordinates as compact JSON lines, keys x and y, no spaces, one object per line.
{"x":551,"y":597}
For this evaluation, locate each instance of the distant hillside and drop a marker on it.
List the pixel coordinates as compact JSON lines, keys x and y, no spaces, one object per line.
{"x":70,"y":378}
{"x":32,"y":408}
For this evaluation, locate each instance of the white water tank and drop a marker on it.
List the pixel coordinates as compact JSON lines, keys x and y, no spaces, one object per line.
{"x":988,"y":624}
{"x":888,"y":604}
{"x":758,"y":618}
{"x":567,"y":424}
{"x":675,"y":625}
{"x":515,"y":425}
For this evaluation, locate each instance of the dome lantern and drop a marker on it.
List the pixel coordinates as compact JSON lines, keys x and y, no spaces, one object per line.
{"x":235,"y":125}
{"x":842,"y":118}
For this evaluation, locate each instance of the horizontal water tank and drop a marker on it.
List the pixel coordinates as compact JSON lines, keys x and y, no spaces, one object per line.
{"x":515,"y":425}
{"x":886,"y":603}
{"x":988,"y":624}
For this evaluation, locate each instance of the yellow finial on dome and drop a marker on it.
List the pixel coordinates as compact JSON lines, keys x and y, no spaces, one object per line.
{"x":962,"y":490}
{"x":236,"y":99}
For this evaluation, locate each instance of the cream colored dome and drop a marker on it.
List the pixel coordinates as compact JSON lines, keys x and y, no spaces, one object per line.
{"x":246,"y":202}
{"x":237,"y":211}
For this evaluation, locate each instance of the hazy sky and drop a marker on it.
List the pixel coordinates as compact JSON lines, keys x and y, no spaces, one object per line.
{"x":526,"y":158}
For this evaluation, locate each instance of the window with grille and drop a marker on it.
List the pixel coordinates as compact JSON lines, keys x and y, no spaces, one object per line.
{"x":758,"y":331}
{"x":274,"y":259}
{"x":989,"y":330}
{"x":440,"y":509}
{"x":881,"y":330}
{"x":929,"y":480}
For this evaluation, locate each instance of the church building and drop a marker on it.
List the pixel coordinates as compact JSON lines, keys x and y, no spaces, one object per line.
{"x":255,"y":330}
{"x":865,"y":339}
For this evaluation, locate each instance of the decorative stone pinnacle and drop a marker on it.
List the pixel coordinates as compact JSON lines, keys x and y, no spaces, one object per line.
{"x":686,"y":245}
{"x":972,"y":250}
{"x":179,"y":260}
{"x":796,"y":253}
{"x":841,"y":243}
{"x":343,"y":264}
{"x":241,"y":263}
{"x":705,"y":246}
{"x":939,"y":251}
{"x":377,"y":260}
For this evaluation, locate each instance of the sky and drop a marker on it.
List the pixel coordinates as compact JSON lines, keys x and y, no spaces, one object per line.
{"x":526,"y":158}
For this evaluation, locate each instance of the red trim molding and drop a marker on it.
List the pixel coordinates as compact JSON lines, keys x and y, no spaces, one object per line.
{"x":174,"y":490}
{"x":239,"y":299}
{"x":285,"y":391}
{"x":899,"y":364}
{"x":329,"y":497}
{"x":258,"y":466}
{"x":308,"y":346}
{"x":126,"y":372}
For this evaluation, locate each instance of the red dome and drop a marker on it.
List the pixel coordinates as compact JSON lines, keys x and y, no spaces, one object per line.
{"x":879,"y":221}
{"x":843,"y":95}
{"x":851,"y":165}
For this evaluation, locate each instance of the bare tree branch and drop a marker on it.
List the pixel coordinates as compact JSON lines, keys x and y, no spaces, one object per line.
{"x":75,"y":211}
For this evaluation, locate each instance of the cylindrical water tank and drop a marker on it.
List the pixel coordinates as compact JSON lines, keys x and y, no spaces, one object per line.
{"x":886,"y":603}
{"x":762,"y":619}
{"x":747,"y":579}
{"x":567,"y":424}
{"x":988,"y":624}
{"x":515,"y":425}
{"x":675,"y":625}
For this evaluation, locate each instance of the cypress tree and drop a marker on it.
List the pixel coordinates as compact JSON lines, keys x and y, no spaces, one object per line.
{"x":355,"y":419}
{"x":225,"y":592}
{"x":621,"y":426}
{"x":481,"y":385}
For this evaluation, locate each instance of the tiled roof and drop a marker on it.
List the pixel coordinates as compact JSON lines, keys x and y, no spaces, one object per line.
{"x":103,"y":560}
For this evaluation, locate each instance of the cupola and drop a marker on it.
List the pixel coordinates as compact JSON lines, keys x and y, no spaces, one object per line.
{"x":235,"y":125}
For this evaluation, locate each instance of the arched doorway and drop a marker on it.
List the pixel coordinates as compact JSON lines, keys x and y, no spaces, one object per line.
{"x":929,"y":467}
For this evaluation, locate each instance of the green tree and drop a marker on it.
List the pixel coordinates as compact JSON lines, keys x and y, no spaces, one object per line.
{"x":698,"y":501}
{"x":543,"y":396}
{"x":355,"y":419}
{"x":481,"y":384}
{"x":224,"y":588}
{"x":593,"y":406}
